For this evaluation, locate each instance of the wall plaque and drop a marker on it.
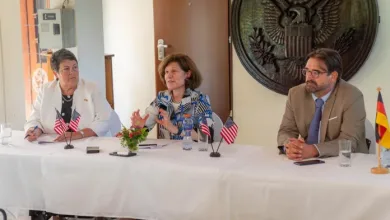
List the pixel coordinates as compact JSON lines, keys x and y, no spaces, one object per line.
{"x":273,"y":37}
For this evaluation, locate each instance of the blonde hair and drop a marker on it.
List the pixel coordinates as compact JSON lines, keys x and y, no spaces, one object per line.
{"x":186,"y":64}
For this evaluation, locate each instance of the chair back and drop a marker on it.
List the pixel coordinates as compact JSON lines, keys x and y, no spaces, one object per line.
{"x":114,"y":124}
{"x":2,"y":211}
{"x":218,"y":124}
{"x":370,"y":137}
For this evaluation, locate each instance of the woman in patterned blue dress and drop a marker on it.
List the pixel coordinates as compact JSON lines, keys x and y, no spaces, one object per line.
{"x":181,"y":77}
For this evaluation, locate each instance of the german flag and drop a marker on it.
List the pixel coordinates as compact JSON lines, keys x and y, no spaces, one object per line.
{"x":382,"y":130}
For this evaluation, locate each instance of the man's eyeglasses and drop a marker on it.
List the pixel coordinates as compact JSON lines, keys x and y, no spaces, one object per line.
{"x":314,"y":73}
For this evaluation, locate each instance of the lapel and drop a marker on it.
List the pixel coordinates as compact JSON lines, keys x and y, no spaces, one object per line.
{"x":186,"y":102}
{"x":78,"y":98}
{"x":311,"y":108}
{"x":166,"y":99}
{"x":326,"y":113}
{"x":57,"y":97}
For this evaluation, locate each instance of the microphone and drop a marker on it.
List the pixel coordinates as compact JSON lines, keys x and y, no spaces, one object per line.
{"x":69,"y":145}
{"x":60,"y":128}
{"x":153,"y":112}
{"x":73,"y":126}
{"x":163,"y":107}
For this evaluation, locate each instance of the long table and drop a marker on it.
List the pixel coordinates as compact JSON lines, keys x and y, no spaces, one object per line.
{"x":247,"y":182}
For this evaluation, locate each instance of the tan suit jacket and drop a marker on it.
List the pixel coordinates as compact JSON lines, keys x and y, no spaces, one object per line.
{"x":343,"y":117}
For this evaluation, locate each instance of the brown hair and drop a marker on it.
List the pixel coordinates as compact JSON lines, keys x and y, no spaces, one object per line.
{"x":59,"y":56}
{"x":331,"y":58}
{"x":186,"y":64}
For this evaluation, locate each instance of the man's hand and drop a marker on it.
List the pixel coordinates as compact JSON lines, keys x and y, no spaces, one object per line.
{"x":297,"y":149}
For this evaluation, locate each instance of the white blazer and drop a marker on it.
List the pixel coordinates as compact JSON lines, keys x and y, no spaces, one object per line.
{"x":87,"y":100}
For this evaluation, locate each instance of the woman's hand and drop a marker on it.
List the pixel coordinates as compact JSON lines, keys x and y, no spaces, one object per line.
{"x":32,"y":134}
{"x":166,"y":122}
{"x":119,"y":135}
{"x":137,"y":121}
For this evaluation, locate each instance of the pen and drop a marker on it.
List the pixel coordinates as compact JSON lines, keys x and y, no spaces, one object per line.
{"x":32,"y":131}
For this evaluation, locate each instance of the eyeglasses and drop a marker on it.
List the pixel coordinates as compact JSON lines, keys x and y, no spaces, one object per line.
{"x":68,"y":70}
{"x":314,"y":73}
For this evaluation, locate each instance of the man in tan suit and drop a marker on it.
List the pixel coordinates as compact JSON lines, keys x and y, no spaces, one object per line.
{"x":322,"y":111}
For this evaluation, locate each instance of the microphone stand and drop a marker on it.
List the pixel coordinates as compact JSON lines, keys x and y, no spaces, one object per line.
{"x":212,"y":139}
{"x":68,"y":145}
{"x":216,"y":153}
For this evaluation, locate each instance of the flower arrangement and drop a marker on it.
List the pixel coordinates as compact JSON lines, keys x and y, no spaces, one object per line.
{"x":130,"y":138}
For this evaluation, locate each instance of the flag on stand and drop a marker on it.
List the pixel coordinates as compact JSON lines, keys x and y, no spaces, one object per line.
{"x":204,"y":127}
{"x":74,"y":121}
{"x":382,"y":131}
{"x":229,"y":131}
{"x":59,"y":125}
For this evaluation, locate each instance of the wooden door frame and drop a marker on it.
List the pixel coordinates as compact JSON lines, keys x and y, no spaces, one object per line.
{"x":26,"y":54}
{"x":2,"y":78}
{"x":31,"y":52}
{"x":230,"y":57}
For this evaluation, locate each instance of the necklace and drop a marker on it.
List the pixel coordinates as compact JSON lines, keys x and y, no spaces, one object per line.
{"x":70,"y":98}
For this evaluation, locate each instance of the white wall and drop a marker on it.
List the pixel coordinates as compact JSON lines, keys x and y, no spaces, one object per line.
{"x":258,"y":111}
{"x":129,"y":35}
{"x":12,"y":61}
{"x":90,"y":42}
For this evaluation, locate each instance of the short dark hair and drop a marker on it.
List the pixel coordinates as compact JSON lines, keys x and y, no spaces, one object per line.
{"x":331,"y":58}
{"x":186,"y":64}
{"x":59,"y":56}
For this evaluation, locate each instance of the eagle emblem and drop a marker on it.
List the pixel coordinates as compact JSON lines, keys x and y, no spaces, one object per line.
{"x":273,"y":37}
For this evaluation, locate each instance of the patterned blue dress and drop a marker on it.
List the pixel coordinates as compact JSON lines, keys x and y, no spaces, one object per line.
{"x":194,"y":103}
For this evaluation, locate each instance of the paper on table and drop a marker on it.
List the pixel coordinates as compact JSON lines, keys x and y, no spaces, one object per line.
{"x":46,"y":139}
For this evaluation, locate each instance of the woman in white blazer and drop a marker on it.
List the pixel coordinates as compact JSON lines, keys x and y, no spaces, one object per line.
{"x":66,"y":94}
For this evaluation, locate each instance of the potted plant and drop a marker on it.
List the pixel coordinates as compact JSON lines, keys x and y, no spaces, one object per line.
{"x":131,"y":137}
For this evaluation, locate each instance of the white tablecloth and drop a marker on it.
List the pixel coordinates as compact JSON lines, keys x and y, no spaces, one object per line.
{"x":247,"y":182}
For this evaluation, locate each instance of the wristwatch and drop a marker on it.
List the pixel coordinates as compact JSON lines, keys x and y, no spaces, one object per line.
{"x":82,"y":133}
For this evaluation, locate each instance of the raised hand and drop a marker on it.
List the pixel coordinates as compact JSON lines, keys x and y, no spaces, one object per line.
{"x":137,"y":121}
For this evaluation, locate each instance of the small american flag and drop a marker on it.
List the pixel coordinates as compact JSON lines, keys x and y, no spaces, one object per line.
{"x":229,"y":131}
{"x":59,"y":125}
{"x":204,"y":127}
{"x":74,"y":122}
